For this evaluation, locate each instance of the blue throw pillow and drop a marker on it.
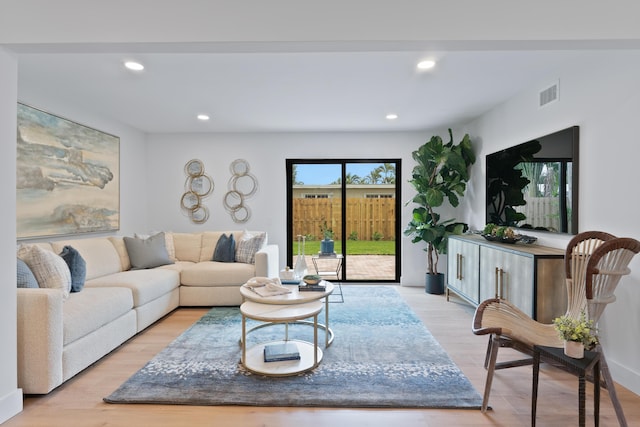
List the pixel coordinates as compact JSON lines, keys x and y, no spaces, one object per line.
{"x":77,"y":267}
{"x":225,"y":250}
{"x":147,"y":253}
{"x":25,"y":277}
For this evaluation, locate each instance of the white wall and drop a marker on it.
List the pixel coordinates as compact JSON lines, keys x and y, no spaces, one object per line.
{"x":266,"y":154}
{"x":10,"y":395}
{"x":604,"y":100}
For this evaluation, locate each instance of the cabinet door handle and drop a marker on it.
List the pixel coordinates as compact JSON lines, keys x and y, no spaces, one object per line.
{"x":495,"y":282}
{"x":459,"y":266}
{"x":501,"y":288}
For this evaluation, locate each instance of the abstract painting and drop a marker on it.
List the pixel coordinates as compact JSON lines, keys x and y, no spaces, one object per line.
{"x":68,"y":177}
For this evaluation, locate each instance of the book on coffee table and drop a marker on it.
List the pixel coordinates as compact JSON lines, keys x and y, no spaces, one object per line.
{"x":281,"y":351}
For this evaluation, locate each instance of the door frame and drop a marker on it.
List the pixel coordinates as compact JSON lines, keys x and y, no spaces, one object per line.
{"x":343,"y":162}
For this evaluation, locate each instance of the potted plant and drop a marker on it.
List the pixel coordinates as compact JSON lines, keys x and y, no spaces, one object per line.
{"x":327,"y":243}
{"x":441,"y":173}
{"x":577,"y":334}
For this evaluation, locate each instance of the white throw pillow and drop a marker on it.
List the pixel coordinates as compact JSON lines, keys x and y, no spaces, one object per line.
{"x":50,"y":270}
{"x":248,"y":246}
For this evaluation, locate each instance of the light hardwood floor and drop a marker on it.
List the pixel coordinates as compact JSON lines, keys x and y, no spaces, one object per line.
{"x":79,"y":401}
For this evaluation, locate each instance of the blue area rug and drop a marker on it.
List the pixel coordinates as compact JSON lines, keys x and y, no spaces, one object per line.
{"x":382,"y":357}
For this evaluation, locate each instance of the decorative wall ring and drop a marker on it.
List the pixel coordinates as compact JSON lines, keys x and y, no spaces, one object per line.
{"x":239,"y":167}
{"x":241,"y":214}
{"x":200,"y":215}
{"x":229,"y":198}
{"x":239,"y":182}
{"x":201,"y":185}
{"x":190,"y":201}
{"x":194,"y":168}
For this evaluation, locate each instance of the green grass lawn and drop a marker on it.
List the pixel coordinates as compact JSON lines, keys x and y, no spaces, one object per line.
{"x":354,"y":247}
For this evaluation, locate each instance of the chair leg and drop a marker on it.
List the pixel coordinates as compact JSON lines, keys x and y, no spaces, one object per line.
{"x":608,"y":382}
{"x":492,"y":350}
{"x":488,"y":354}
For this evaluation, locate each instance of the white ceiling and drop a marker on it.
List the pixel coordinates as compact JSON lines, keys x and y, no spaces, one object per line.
{"x":288,"y":91}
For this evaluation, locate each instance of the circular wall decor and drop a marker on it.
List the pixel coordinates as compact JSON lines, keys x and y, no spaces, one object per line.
{"x":201,"y":185}
{"x":194,"y":167}
{"x":241,"y":185}
{"x":239,"y":167}
{"x":197,"y":186}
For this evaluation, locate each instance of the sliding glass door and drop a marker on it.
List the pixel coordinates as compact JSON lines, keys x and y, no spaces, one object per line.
{"x":342,"y":218}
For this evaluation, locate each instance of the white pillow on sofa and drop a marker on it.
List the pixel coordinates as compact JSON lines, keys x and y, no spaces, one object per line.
{"x":49,"y":269}
{"x":248,"y":245}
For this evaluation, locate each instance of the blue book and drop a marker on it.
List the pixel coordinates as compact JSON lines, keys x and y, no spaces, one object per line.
{"x":281,"y":351}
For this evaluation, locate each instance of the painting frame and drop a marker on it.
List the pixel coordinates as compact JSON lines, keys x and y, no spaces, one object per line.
{"x":67,"y":176}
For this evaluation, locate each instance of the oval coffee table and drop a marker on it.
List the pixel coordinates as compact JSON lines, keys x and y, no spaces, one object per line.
{"x":295,"y":297}
{"x":310,"y":354}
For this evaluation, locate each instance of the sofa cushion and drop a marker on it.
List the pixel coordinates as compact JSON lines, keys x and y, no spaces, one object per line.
{"x":77,"y":267}
{"x":225,"y":249}
{"x":49,"y":269}
{"x":146,"y":284}
{"x":24,"y":275}
{"x":147,"y":253}
{"x":121,"y":248}
{"x":212,"y":273}
{"x":187,"y":246}
{"x":248,"y":246}
{"x":98,"y":252}
{"x":86,"y":311}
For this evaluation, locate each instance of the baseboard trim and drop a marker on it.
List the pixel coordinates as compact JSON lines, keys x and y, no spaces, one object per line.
{"x":624,"y":376}
{"x":10,"y":405}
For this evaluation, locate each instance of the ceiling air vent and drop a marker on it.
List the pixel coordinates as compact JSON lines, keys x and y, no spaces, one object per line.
{"x":549,"y":95}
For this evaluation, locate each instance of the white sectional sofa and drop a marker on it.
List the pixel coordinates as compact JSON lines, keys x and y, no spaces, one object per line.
{"x":60,"y":335}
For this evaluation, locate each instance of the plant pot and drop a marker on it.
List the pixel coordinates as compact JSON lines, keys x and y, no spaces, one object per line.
{"x":434,"y":283}
{"x":326,"y":246}
{"x":574,"y":349}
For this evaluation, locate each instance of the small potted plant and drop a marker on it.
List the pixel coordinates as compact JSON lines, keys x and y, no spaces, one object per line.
{"x":577,"y":334}
{"x":327,"y":244}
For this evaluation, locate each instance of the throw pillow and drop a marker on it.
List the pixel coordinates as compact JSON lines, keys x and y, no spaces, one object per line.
{"x":248,"y":246}
{"x":147,"y":253}
{"x":168,"y":242}
{"x":49,"y":269}
{"x":25,"y":277}
{"x":77,"y":267}
{"x":225,"y":250}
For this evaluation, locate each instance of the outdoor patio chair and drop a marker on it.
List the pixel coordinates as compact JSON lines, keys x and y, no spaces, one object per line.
{"x":594,"y":263}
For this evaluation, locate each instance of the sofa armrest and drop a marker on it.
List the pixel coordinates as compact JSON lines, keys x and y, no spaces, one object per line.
{"x":267,"y":261}
{"x":40,"y":339}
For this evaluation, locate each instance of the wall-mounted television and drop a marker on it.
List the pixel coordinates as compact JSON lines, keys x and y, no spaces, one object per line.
{"x":534,"y":185}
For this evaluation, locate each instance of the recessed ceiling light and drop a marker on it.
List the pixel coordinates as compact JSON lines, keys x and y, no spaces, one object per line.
{"x":426,"y":64}
{"x":391,"y":116}
{"x":203,"y":117}
{"x":134,"y":66}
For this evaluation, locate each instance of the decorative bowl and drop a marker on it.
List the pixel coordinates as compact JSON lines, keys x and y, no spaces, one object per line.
{"x":510,"y":240}
{"x":311,"y":279}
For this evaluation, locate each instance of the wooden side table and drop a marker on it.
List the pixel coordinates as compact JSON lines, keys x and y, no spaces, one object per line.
{"x":579,"y":367}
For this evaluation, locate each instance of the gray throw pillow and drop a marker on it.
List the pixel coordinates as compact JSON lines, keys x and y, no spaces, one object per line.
{"x":147,"y":253}
{"x":25,"y":277}
{"x":225,"y":250}
{"x":77,"y":267}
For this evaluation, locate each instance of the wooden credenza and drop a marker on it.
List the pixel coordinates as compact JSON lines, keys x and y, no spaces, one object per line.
{"x":530,"y":276}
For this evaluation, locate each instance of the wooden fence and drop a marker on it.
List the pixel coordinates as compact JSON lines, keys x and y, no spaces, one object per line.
{"x":541,"y":211}
{"x":365,"y":217}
